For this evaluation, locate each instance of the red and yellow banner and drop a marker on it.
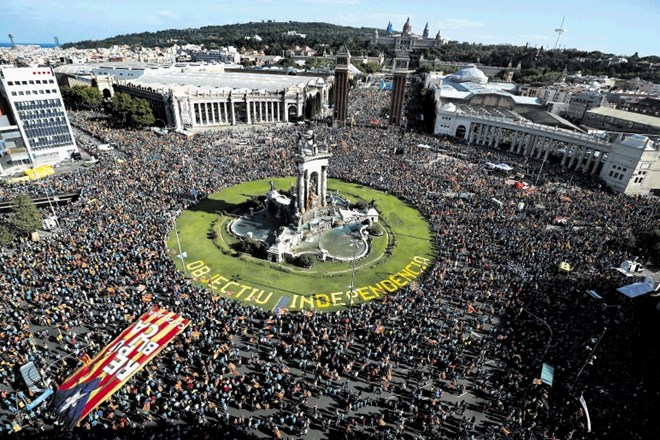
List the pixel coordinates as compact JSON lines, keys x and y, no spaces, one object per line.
{"x":100,"y":378}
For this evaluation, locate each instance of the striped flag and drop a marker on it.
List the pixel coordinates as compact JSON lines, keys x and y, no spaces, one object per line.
{"x":102,"y":376}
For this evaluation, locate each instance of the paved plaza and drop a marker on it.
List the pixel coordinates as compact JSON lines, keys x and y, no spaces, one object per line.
{"x":456,"y":355}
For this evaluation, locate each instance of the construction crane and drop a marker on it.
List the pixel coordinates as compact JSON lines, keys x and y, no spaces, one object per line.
{"x":560,"y":31}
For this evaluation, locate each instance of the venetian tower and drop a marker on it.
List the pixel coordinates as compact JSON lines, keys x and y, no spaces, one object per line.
{"x":400,"y":72}
{"x":341,"y":86}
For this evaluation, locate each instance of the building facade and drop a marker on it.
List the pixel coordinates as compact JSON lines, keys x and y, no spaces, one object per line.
{"x":630,"y":166}
{"x":471,"y":86}
{"x":579,"y":104}
{"x":34,"y":126}
{"x":407,"y":41}
{"x":633,"y":166}
{"x":204,"y":100}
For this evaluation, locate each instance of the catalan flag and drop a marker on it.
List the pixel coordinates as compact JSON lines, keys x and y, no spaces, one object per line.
{"x":97,"y":380}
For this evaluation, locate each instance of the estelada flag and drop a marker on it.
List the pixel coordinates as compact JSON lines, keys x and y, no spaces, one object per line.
{"x":96,"y":381}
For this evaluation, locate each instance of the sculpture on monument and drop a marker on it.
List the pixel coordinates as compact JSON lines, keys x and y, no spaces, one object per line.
{"x":308,"y":218}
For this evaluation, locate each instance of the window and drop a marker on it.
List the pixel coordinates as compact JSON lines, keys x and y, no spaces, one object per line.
{"x":611,"y":172}
{"x":10,"y":83}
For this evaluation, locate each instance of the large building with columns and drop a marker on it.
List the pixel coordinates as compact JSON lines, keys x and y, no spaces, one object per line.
{"x":205,"y":100}
{"x":630,"y":165}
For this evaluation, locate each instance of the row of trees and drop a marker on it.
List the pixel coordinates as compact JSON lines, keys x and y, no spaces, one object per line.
{"x":23,"y":220}
{"x":126,"y":110}
{"x":274,"y":37}
{"x":81,"y":97}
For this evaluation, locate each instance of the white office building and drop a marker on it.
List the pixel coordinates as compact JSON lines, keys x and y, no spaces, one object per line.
{"x":34,"y":127}
{"x":633,"y":166}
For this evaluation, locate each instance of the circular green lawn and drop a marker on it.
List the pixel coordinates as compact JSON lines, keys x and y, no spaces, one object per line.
{"x":397,"y":258}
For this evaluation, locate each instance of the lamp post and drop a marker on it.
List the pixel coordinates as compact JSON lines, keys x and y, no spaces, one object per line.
{"x":547,"y":346}
{"x":540,"y":170}
{"x":591,"y":355}
{"x":354,"y":245}
{"x":181,"y":254}
{"x":52,"y":209}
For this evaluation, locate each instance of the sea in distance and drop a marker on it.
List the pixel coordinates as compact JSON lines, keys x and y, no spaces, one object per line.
{"x":44,"y":45}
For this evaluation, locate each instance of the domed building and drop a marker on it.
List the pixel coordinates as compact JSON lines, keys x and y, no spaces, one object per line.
{"x":469,"y":92}
{"x":470,"y":73}
{"x":407,"y":40}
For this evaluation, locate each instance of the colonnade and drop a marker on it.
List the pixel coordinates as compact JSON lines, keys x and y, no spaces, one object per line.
{"x":578,"y":154}
{"x":225,"y":112}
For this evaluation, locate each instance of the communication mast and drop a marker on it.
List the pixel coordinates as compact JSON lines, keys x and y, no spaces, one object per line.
{"x":560,"y":31}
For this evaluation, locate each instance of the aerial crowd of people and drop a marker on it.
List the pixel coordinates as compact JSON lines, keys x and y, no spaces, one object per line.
{"x":456,"y":355}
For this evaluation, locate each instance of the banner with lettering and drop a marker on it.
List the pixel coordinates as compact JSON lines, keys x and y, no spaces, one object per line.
{"x":96,"y":381}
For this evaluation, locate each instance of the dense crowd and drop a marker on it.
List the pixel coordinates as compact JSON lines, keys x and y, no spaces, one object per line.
{"x":489,"y":311}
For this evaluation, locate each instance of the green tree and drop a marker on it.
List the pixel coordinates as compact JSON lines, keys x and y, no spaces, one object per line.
{"x":305,"y":260}
{"x":372,"y":67}
{"x":376,"y":230}
{"x":6,"y":237}
{"x":91,"y":97}
{"x":132,"y":112}
{"x":121,"y":108}
{"x":25,"y":217}
{"x":85,"y":97}
{"x":142,"y":114}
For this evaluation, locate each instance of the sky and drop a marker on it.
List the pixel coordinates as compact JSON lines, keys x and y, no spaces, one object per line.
{"x":611,"y":26}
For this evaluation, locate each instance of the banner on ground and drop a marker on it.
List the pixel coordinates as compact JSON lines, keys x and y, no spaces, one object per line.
{"x":99,"y":379}
{"x":586,"y":412}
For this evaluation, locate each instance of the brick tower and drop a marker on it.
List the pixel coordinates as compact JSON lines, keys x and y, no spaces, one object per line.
{"x":400,"y":71}
{"x":341,"y":86}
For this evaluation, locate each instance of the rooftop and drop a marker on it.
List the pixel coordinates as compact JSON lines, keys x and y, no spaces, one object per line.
{"x":210,"y":81}
{"x":626,"y":116}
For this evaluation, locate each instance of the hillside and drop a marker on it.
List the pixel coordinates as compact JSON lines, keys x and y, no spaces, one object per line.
{"x":538,"y":65}
{"x":273,"y":37}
